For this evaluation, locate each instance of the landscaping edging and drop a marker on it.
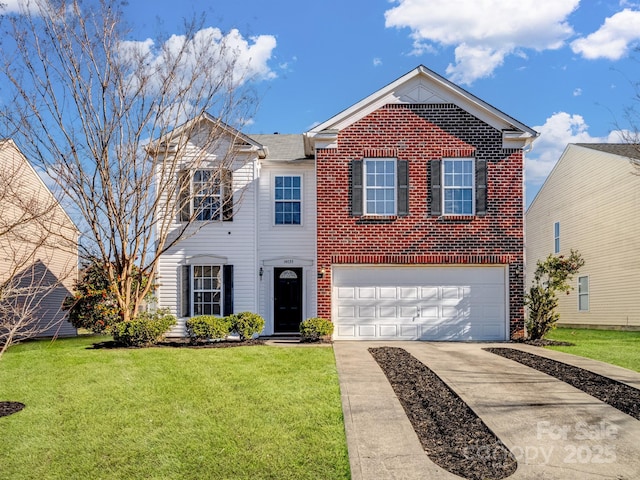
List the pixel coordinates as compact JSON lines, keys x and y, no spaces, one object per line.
{"x":452,"y":435}
{"x":619,"y":395}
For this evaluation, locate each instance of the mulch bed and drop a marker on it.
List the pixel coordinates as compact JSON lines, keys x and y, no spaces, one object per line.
{"x":619,"y":395}
{"x":8,"y":408}
{"x":451,"y":434}
{"x":183,"y":344}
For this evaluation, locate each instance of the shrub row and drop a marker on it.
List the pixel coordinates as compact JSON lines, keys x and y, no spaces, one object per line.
{"x":146,"y":329}
{"x":205,"y":328}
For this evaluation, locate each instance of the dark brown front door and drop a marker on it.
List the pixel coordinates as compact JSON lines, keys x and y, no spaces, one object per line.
{"x":288,"y":299}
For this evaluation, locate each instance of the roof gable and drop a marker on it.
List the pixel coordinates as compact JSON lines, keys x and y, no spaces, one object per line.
{"x":421,"y":86}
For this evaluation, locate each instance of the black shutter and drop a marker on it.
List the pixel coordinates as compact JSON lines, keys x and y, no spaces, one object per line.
{"x":436,"y":188}
{"x":227,"y":288}
{"x":184,"y":196}
{"x":227,"y":195}
{"x":481,"y":187}
{"x":185,"y":291}
{"x":403,"y":187}
{"x":356,"y":188}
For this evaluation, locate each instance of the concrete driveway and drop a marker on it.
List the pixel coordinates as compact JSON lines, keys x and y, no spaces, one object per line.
{"x":555,"y":431}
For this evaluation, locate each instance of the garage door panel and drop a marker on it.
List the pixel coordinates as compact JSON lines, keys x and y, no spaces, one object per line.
{"x":434,"y":303}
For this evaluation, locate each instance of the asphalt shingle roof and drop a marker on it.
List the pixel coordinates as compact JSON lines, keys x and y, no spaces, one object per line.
{"x":286,"y":147}
{"x":628,"y":150}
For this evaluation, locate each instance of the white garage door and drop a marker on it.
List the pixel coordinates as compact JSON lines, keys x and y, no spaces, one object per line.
{"x":420,"y":303}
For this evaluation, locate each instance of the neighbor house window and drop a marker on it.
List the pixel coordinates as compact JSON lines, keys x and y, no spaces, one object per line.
{"x":458,"y":175}
{"x":288,"y":200}
{"x":583,"y":294}
{"x":556,"y":237}
{"x":205,"y":195}
{"x":380,"y":186}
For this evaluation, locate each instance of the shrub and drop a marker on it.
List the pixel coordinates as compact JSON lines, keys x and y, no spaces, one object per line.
{"x":246,"y":324}
{"x":208,"y":327}
{"x":313,"y":329}
{"x":144,"y":330}
{"x":551,"y":276}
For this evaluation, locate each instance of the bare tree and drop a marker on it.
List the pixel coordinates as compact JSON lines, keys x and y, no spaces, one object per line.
{"x":38,"y":252}
{"x":99,"y":113}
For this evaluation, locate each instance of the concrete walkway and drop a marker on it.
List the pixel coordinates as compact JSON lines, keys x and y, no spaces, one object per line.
{"x":554,"y":430}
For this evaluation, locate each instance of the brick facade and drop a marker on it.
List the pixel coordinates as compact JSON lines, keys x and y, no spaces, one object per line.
{"x":419,"y":133}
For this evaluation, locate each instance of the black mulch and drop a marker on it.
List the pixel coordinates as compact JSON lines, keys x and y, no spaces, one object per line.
{"x":183,"y":344}
{"x":8,"y":408}
{"x":451,"y":434}
{"x":619,"y":395}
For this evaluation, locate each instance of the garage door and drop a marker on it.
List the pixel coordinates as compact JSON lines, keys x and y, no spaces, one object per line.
{"x":419,"y":303}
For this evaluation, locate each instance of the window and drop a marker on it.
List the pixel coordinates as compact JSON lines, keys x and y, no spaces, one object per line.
{"x":288,"y":198}
{"x":380,"y":186}
{"x":206,"y":289}
{"x":583,"y":294}
{"x":458,"y":186}
{"x":206,"y":195}
{"x":556,"y":237}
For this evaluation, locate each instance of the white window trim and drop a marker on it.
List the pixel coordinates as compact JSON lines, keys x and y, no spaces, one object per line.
{"x":583,"y":294}
{"x":192,"y":195}
{"x":365,"y":212}
{"x":273,"y":200}
{"x":556,"y":237}
{"x":193,"y":289}
{"x":445,"y":188}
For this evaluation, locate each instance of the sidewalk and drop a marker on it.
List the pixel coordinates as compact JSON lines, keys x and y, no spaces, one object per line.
{"x":554,"y":430}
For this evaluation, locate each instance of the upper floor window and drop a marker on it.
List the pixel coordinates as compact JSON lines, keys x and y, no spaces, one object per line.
{"x":458,"y":175}
{"x":205,"y":195}
{"x":458,"y":186}
{"x":556,"y":237}
{"x":288,"y":200}
{"x":380,"y":186}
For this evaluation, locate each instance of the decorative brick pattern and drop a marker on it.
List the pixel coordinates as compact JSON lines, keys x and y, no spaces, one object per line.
{"x":420,"y":133}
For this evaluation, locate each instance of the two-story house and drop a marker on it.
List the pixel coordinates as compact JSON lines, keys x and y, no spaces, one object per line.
{"x":399,"y":218}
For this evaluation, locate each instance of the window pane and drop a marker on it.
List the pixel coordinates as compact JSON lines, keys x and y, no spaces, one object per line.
{"x":380,"y":183}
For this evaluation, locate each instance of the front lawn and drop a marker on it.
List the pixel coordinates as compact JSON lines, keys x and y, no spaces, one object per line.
{"x":615,"y":347}
{"x":254,"y":412}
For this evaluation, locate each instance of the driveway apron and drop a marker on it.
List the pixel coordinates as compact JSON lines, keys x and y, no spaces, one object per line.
{"x":555,"y":431}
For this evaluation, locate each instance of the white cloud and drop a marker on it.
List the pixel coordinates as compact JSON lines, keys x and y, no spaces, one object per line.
{"x":577,"y":92}
{"x":613,"y":39}
{"x":377,"y":62}
{"x":483,"y":33}
{"x":209,"y":54}
{"x":558,"y":130}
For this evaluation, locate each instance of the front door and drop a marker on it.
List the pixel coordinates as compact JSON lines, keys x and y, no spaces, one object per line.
{"x":287,"y":299}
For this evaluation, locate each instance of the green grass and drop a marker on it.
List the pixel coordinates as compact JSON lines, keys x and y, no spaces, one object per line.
{"x":254,"y":412}
{"x":615,"y":347}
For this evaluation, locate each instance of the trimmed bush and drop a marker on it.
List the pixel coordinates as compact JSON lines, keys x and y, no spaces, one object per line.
{"x":314,"y":329}
{"x":208,"y":327}
{"x":246,"y":324}
{"x":146,"y":329}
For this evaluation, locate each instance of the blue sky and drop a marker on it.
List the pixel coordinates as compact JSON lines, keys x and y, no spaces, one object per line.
{"x":564,"y":67}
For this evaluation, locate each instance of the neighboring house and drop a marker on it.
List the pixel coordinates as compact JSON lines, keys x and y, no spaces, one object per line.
{"x":590,"y":202}
{"x":38,"y":249}
{"x":399,"y":218}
